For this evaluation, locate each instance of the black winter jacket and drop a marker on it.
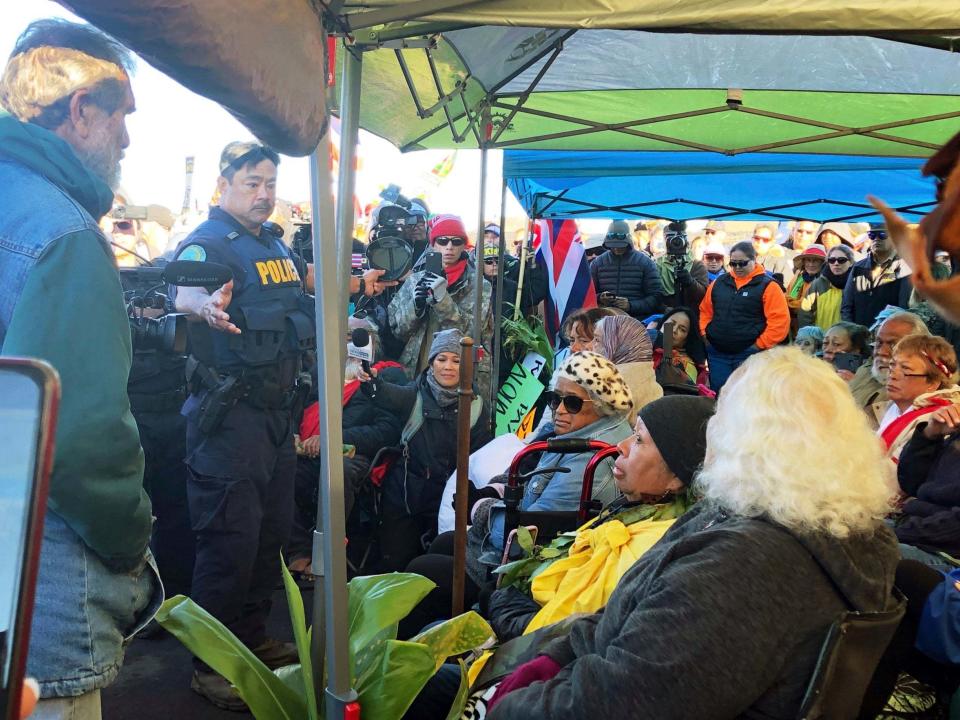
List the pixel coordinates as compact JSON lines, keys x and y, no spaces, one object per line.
{"x":369,"y":426}
{"x":864,"y":296}
{"x":416,"y":480}
{"x":929,"y":473}
{"x":713,"y":606}
{"x":632,"y":275}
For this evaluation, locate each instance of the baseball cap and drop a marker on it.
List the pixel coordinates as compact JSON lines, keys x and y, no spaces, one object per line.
{"x":237,"y":154}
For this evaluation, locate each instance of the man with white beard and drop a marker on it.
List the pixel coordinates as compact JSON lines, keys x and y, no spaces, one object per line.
{"x":869,"y":384}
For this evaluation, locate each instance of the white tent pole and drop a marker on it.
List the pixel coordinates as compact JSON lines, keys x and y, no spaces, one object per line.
{"x":329,"y":556}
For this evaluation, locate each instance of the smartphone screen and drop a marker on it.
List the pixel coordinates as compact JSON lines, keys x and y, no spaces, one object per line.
{"x":432,"y":262}
{"x":847,"y":361}
{"x":28,"y":397}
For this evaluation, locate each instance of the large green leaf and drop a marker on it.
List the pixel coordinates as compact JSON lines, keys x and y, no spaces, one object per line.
{"x":377,"y":603}
{"x":268,"y":697}
{"x":463,"y":693}
{"x":395,"y":674}
{"x":455,"y":636}
{"x":302,"y":637}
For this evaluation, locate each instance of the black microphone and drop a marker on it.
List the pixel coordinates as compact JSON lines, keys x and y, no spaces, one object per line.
{"x":362,"y":349}
{"x":191,"y":273}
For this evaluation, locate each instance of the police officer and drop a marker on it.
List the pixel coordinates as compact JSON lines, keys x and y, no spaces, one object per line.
{"x":247,"y":339}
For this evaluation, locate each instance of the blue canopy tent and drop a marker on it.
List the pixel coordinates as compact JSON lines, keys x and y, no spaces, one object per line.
{"x":687,"y":185}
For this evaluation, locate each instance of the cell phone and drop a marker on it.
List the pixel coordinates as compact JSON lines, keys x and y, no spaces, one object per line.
{"x":29,"y":396}
{"x":432,"y":262}
{"x":847,"y":361}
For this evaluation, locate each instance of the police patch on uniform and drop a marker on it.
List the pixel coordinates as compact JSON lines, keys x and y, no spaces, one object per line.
{"x":193,"y":252}
{"x":277,"y":271}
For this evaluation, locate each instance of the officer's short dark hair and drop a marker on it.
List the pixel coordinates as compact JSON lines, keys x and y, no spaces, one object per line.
{"x":242,"y":155}
{"x":107,"y":94}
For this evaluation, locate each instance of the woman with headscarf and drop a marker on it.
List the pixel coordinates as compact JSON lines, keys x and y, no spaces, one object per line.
{"x":710,"y":623}
{"x":412,"y":483}
{"x":625,"y":342}
{"x":820,"y":305}
{"x":590,"y":400}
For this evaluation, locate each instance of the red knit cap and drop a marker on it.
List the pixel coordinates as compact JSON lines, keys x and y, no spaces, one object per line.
{"x":447,"y":226}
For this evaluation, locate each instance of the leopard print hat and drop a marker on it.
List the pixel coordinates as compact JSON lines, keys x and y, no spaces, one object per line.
{"x":600,"y":378}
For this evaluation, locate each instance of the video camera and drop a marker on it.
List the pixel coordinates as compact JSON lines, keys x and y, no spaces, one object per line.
{"x":675,"y":239}
{"x":143,"y":289}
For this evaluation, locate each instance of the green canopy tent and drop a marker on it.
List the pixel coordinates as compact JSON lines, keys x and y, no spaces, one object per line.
{"x":266,"y":63}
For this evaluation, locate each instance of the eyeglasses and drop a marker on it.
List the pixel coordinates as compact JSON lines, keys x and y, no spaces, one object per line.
{"x":445,"y":240}
{"x":713,"y":258}
{"x":616,"y":236}
{"x":877,"y":234}
{"x":490,"y":261}
{"x":739,"y":263}
{"x":838,"y":261}
{"x":900,"y":370}
{"x":573,"y":403}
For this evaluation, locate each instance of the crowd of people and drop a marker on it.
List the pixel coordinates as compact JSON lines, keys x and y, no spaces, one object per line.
{"x":719,"y":550}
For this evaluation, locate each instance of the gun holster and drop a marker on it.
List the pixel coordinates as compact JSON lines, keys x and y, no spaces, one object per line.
{"x":218,"y":402}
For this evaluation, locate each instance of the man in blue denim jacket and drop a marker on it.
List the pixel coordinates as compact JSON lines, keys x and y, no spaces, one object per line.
{"x":66,"y":93}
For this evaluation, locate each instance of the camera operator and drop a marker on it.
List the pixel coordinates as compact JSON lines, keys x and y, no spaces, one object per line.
{"x":684,"y":279}
{"x":157,"y":391}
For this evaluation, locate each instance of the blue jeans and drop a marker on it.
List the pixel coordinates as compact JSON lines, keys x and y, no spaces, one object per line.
{"x":909,"y":552}
{"x":84,"y":613}
{"x":722,"y":365}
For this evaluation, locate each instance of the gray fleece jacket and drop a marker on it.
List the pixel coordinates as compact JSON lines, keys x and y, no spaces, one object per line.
{"x":723,"y":618}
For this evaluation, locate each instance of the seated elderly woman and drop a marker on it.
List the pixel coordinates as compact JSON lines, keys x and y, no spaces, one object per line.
{"x":590,"y":400}
{"x":654,"y":473}
{"x":726,"y":615}
{"x":922,"y":378}
{"x":846,"y":337}
{"x":929,"y":477}
{"x":625,"y":342}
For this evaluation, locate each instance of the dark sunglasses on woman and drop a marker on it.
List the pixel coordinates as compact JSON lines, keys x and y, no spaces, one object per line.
{"x":838,"y":261}
{"x":445,"y":240}
{"x":573,"y":403}
{"x":739,"y":263}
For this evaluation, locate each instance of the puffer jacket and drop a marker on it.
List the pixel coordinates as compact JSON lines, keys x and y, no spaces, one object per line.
{"x":632,"y":275}
{"x":416,"y":480}
{"x":865,"y":295}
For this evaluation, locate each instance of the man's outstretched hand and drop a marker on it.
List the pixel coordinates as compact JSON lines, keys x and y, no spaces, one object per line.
{"x":213,"y":311}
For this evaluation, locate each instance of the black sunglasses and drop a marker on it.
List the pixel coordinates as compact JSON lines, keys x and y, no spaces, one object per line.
{"x":445,"y":240}
{"x":573,"y":403}
{"x":877,"y":234}
{"x":490,"y":261}
{"x":837,"y":261}
{"x":739,"y":263}
{"x":616,"y":236}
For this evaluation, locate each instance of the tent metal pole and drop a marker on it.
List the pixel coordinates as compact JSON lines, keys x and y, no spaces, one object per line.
{"x":464,"y":399}
{"x":329,"y":648}
{"x":481,"y":222}
{"x":349,"y":133}
{"x":498,"y":309}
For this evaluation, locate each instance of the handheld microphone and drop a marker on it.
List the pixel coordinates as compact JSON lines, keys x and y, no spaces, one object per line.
{"x":361,"y":348}
{"x":191,"y":273}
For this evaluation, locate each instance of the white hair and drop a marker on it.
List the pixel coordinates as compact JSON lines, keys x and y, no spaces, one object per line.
{"x":788,"y":442}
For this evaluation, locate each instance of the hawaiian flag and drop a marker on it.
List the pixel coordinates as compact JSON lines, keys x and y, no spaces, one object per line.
{"x":568,"y":272}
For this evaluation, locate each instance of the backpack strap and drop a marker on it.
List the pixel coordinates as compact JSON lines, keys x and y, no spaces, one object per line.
{"x":415,"y":421}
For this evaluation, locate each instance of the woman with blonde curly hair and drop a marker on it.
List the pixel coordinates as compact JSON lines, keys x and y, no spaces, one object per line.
{"x":735,"y":600}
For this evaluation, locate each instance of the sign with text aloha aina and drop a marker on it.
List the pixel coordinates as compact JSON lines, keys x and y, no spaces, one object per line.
{"x":518,"y":394}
